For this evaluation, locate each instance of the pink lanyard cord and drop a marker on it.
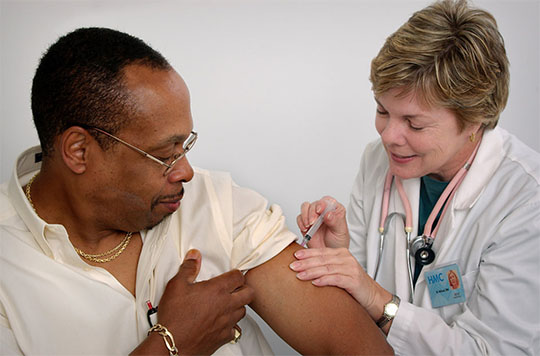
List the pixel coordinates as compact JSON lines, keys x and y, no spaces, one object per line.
{"x":385,"y":200}
{"x":406,"y":205}
{"x":449,"y":193}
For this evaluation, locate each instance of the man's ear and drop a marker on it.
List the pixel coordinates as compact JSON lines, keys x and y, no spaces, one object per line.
{"x":75,"y":143}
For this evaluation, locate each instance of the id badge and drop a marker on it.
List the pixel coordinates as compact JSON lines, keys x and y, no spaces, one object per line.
{"x":445,"y":286}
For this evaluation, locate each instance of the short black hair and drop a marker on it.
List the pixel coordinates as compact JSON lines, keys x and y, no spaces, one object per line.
{"x":79,"y":81}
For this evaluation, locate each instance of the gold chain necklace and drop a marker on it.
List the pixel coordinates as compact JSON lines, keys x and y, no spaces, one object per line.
{"x":115,"y":252}
{"x":97,"y":258}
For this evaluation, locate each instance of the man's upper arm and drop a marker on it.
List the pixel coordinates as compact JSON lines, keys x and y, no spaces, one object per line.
{"x":313,"y":320}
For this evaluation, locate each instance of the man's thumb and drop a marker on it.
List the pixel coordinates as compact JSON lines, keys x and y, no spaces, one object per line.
{"x":191,"y":266}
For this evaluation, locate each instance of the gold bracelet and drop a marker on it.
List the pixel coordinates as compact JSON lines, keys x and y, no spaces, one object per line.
{"x":167,"y":337}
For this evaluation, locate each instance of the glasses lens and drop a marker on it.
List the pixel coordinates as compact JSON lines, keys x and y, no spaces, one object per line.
{"x":167,"y":170}
{"x":190,"y":142}
{"x":187,"y":146}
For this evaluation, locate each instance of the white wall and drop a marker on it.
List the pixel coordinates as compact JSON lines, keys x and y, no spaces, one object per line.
{"x":280,"y":89}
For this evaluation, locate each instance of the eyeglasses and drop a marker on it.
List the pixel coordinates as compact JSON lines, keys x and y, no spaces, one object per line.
{"x":186,"y":147}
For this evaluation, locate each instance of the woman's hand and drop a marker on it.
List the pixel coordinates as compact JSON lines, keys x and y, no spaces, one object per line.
{"x":338,"y":267}
{"x":333,"y":232}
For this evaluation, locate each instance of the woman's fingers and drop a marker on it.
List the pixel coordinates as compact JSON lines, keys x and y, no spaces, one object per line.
{"x":333,"y":232}
{"x":301,"y":225}
{"x":328,"y":258}
{"x":321,"y":252}
{"x":320,"y":271}
{"x":307,"y":216}
{"x":334,"y":267}
{"x":340,"y":273}
{"x":309,"y":212}
{"x":337,"y":280}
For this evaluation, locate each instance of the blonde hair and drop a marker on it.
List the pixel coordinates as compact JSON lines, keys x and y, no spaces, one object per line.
{"x":451,"y":55}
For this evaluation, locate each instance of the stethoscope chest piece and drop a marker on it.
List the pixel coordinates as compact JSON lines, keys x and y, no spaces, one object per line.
{"x":421,"y":250}
{"x":425,"y":255}
{"x":421,"y":246}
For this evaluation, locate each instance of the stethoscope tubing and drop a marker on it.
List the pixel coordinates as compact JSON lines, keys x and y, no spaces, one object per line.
{"x":428,"y":235}
{"x":407,"y":250}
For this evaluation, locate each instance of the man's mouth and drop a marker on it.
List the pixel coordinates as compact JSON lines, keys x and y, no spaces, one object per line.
{"x":171,"y":206}
{"x":172,"y":202}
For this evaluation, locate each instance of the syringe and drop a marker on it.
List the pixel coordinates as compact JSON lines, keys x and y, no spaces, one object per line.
{"x":330,"y":206}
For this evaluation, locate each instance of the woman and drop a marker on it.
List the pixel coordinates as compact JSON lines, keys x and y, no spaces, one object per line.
{"x":468,"y":190}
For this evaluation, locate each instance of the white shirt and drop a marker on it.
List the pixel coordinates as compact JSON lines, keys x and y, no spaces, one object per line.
{"x":491,"y":230}
{"x":52,"y":302}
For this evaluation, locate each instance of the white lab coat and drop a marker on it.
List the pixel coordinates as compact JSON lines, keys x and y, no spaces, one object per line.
{"x":491,"y":230}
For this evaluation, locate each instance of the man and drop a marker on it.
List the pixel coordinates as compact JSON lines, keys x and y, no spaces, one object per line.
{"x":92,"y":232}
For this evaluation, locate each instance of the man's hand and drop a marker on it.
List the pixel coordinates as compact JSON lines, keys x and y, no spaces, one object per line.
{"x":201,"y":316}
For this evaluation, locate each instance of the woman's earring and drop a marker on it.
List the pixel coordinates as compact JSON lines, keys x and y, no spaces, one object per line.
{"x":472,"y":137}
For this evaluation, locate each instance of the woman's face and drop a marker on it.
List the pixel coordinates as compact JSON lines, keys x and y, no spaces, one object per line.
{"x":421,"y":140}
{"x":452,"y":279}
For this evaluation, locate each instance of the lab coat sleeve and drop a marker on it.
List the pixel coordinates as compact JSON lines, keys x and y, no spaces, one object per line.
{"x":363,"y":202}
{"x":356,"y":220}
{"x":502,"y":314}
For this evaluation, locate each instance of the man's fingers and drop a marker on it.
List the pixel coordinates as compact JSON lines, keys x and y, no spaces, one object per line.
{"x":230,"y":281}
{"x":234,"y":316}
{"x":189,"y":270}
{"x":243,"y":295}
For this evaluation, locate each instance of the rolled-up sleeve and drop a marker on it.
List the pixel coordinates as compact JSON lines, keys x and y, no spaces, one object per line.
{"x":259,"y":230}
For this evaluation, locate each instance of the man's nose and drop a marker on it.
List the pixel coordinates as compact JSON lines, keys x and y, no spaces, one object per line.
{"x":181,"y":171}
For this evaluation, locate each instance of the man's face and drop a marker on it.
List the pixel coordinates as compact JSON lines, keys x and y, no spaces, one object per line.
{"x":133,"y":188}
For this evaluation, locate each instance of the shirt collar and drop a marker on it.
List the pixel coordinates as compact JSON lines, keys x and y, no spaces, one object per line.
{"x":488,"y":158}
{"x":28,"y":164}
{"x":53,"y":238}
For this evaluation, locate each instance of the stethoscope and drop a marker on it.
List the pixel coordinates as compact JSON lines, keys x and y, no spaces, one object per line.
{"x":421,"y":246}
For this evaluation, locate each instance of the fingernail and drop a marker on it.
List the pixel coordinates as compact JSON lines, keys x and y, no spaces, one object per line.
{"x":294,"y":266}
{"x":299,"y":254}
{"x":191,"y":255}
{"x":301,"y":275}
{"x":316,"y":282}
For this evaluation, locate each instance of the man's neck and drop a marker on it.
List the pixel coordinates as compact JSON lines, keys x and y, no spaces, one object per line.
{"x":56,"y":202}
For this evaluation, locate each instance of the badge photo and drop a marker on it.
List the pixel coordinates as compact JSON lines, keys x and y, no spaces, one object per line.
{"x":445,"y":286}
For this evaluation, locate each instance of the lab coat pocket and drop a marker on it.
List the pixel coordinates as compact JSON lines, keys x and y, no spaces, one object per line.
{"x":469,"y":280}
{"x":449,"y":312}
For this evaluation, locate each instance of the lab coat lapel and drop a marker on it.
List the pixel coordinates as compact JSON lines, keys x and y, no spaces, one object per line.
{"x":488,"y":159}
